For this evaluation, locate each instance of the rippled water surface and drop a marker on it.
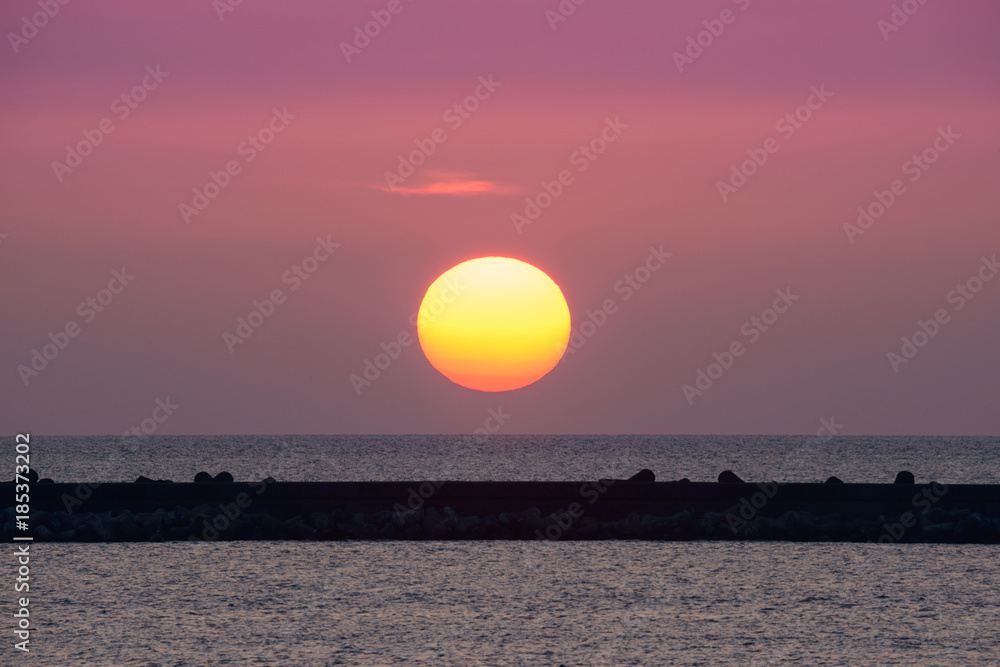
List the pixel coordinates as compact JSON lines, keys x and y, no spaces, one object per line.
{"x":518,"y":457}
{"x":514,"y":603}
{"x":505,"y":603}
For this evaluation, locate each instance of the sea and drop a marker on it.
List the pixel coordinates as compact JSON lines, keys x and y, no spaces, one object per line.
{"x":511,"y":603}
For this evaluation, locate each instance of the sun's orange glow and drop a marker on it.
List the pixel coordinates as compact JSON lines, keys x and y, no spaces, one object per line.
{"x":493,"y":324}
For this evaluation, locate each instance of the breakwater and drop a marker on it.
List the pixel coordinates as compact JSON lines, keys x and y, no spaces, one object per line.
{"x":222,"y":509}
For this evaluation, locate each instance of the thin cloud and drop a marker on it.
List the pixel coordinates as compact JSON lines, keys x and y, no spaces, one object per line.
{"x":456,"y":185}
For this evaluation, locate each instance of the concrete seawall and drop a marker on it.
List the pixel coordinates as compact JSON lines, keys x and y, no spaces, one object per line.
{"x":508,"y":510}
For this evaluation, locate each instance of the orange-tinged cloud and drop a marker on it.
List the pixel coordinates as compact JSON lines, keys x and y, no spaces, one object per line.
{"x":452,"y":185}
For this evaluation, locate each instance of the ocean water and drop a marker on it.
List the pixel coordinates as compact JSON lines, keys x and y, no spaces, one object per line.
{"x":947,"y":460}
{"x":513,"y":603}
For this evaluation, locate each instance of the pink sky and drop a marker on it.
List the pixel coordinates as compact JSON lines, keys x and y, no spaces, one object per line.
{"x":345,"y":124}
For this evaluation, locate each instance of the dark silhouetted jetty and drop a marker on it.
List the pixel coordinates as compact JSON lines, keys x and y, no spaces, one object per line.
{"x":217,"y":508}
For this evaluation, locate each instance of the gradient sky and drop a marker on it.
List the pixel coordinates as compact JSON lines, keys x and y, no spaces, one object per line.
{"x":656,"y":184}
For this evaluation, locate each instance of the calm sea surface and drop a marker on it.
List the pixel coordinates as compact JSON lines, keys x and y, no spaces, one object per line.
{"x":513,"y":603}
{"x":517,"y":457}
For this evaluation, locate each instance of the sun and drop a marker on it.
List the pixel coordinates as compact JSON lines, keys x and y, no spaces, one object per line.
{"x":493,"y":324}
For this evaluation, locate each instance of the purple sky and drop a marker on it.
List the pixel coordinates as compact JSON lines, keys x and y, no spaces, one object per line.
{"x":338,"y":127}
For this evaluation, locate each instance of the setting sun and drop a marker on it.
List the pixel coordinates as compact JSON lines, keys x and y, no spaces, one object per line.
{"x":493,"y":324}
